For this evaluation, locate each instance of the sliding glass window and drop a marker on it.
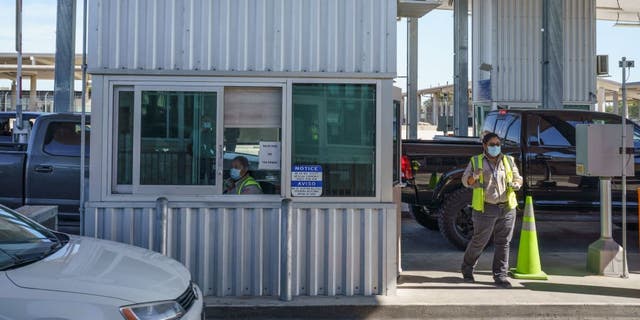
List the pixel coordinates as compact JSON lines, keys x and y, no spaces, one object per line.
{"x":166,"y":138}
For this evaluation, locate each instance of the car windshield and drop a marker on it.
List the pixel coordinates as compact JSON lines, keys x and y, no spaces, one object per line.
{"x":23,"y":241}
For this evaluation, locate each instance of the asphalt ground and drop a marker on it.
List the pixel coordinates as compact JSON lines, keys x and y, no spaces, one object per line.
{"x":430,"y":285}
{"x":424,"y":249}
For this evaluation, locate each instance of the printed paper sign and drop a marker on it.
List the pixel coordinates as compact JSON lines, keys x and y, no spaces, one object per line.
{"x":306,"y":181}
{"x":269,"y":156}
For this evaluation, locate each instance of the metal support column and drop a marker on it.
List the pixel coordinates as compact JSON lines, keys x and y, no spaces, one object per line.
{"x":552,"y":53}
{"x":604,"y":256}
{"x":286,"y":251}
{"x":63,"y":98}
{"x":461,"y":68}
{"x":33,"y":93}
{"x":412,"y":77}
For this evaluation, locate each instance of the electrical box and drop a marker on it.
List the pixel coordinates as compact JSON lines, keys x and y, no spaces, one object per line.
{"x":599,"y":152}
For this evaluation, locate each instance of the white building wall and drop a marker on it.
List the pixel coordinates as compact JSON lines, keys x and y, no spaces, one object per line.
{"x":333,"y":36}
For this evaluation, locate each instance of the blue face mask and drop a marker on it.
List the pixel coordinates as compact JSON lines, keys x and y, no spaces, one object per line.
{"x":493,"y":151}
{"x":235,"y":173}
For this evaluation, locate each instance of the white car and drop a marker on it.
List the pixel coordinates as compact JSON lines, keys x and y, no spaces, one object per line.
{"x":50,"y":275}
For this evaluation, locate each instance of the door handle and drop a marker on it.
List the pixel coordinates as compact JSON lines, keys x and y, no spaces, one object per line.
{"x":543,"y":157}
{"x":44,"y":169}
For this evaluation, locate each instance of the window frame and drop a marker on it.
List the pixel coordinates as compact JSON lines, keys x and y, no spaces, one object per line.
{"x":380,"y":182}
{"x":110,"y":191}
{"x":140,"y":189}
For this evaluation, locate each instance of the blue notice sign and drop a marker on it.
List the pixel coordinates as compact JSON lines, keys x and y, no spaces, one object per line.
{"x":306,"y":181}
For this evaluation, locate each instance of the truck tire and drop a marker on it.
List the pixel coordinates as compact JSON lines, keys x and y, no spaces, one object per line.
{"x":454,"y":218}
{"x":422,"y":217}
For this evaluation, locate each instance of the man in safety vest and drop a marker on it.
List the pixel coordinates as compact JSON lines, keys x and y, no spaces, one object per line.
{"x":494,"y":179}
{"x":241,"y":182}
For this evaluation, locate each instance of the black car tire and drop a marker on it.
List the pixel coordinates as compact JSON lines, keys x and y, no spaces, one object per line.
{"x":454,"y":218}
{"x":422,"y":217}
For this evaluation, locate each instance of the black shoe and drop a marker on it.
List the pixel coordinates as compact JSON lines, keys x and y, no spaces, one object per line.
{"x":468,"y":278}
{"x":503,"y":283}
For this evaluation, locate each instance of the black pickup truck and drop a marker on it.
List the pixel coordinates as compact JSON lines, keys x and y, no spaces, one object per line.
{"x":46,"y":171}
{"x":543,"y":145}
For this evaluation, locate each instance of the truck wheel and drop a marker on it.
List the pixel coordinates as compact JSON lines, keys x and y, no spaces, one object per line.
{"x":421,"y":215}
{"x":455,"y":220}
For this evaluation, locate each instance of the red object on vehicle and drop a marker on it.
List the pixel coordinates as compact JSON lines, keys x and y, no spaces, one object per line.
{"x":405,"y":166}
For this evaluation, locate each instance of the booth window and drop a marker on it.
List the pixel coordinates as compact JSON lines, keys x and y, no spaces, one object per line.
{"x":166,"y":138}
{"x":334,"y":130}
{"x":125,"y":136}
{"x":252,"y":129}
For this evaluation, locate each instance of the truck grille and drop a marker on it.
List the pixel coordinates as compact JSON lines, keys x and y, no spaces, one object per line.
{"x":187,"y":299}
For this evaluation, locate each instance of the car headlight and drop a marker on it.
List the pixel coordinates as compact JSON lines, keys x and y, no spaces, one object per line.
{"x":165,"y":310}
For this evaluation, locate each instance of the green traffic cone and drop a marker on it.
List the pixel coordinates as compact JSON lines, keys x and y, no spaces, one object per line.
{"x":528,"y":266}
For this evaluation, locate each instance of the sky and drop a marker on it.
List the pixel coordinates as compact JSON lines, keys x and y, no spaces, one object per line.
{"x":435,"y":49}
{"x":435,"y":63}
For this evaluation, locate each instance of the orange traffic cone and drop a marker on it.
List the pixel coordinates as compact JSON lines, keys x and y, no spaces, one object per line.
{"x":528,"y":266}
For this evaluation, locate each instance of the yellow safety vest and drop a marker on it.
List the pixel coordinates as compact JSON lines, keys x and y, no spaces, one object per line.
{"x":249,"y":181}
{"x":477,"y":202}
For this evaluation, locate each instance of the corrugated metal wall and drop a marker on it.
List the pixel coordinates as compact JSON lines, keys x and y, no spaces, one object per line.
{"x":236,"y":251}
{"x":243,"y":35}
{"x":514,"y":47}
{"x":518,"y":54}
{"x":579,"y":52}
{"x":340,"y":251}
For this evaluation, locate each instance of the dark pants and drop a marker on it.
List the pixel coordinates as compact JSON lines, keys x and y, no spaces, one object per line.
{"x":499,"y":221}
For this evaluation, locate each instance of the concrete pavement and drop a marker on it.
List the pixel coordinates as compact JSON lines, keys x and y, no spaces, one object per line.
{"x":430,"y":285}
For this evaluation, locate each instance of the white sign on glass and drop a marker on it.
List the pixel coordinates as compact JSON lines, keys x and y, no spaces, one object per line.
{"x":306,"y":181}
{"x":269,"y":156}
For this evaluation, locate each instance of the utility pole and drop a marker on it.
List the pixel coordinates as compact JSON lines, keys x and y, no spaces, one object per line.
{"x":624,"y":64}
{"x":20,"y":130}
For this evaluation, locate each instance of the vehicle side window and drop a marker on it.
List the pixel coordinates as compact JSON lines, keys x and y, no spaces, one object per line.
{"x":489,"y":123}
{"x":63,"y":139}
{"x":552,"y":133}
{"x":513,"y":132}
{"x":5,"y":130}
{"x":549,"y":131}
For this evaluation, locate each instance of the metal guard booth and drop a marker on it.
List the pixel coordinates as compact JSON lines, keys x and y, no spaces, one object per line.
{"x":302,"y":89}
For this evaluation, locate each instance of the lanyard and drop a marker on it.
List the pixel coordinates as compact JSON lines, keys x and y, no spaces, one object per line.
{"x":494,"y":171}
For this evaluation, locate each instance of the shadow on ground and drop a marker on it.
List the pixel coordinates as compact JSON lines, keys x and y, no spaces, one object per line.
{"x":582,"y":289}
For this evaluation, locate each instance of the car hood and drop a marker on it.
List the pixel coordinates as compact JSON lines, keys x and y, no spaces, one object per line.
{"x":106,"y":268}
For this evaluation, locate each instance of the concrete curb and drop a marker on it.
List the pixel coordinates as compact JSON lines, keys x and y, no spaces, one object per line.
{"x":553,"y":311}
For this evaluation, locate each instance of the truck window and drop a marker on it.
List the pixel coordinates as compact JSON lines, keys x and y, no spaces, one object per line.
{"x":503,"y":122}
{"x":489,"y":123}
{"x":513,"y":132}
{"x":550,"y":131}
{"x":63,"y":139}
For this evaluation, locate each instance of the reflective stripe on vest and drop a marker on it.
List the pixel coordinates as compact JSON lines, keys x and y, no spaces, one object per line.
{"x":477,"y":202}
{"x":249,"y":181}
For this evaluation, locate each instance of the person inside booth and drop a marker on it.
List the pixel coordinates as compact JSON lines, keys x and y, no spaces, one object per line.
{"x":241,"y":182}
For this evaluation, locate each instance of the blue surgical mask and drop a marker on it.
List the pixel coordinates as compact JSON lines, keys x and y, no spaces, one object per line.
{"x":235,"y":173}
{"x":493,"y":151}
